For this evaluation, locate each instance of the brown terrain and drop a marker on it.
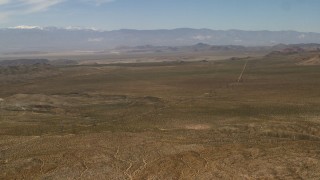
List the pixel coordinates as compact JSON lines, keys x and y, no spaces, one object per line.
{"x":315,"y":60}
{"x":174,"y":119}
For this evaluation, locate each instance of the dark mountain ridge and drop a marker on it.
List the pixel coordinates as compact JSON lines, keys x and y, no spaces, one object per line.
{"x":53,"y":39}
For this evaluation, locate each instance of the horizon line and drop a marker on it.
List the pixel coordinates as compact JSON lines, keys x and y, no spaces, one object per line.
{"x":28,"y":27}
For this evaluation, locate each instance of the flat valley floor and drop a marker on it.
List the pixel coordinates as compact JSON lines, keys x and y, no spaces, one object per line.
{"x":162,"y":120}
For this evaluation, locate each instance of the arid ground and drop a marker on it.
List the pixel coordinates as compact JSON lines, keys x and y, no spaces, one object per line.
{"x":162,"y":120}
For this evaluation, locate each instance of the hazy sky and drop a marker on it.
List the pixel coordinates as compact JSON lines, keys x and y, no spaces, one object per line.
{"x":301,"y":15}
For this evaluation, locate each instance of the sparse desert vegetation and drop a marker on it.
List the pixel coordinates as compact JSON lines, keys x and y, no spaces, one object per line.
{"x":162,"y":120}
{"x":159,"y":90}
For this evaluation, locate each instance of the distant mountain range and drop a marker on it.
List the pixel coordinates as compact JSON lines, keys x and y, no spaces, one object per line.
{"x":51,"y":39}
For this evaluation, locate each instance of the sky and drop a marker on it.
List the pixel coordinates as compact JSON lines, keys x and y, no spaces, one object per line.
{"x":274,"y":15}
